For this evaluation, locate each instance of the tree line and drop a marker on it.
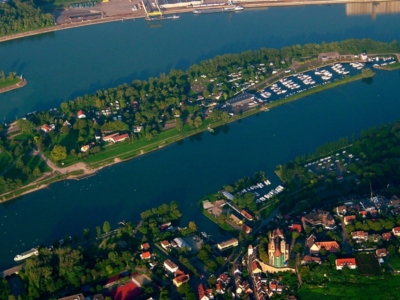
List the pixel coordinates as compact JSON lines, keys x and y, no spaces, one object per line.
{"x":17,"y":16}
{"x":173,"y":99}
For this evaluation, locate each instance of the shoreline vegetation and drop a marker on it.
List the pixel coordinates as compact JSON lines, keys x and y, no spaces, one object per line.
{"x":187,"y":119}
{"x":11,"y":82}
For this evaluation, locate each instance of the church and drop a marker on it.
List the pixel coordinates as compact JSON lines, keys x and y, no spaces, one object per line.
{"x":278,"y":249}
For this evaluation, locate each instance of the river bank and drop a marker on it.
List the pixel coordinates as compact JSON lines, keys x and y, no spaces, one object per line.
{"x":128,"y":15}
{"x":21,"y":83}
{"x":84,"y":169}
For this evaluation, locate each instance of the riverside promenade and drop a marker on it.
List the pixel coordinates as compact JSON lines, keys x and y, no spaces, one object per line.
{"x":119,"y":11}
{"x":20,"y":84}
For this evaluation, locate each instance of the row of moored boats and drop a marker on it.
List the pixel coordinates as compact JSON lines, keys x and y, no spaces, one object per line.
{"x":270,"y":194}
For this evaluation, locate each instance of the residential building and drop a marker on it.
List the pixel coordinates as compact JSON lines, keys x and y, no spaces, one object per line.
{"x":120,"y":138}
{"x":228,"y":244}
{"x":307,"y":259}
{"x":235,"y":219}
{"x":137,"y":129}
{"x":359,"y":235}
{"x":341,"y":210}
{"x":295,"y":227}
{"x":46,"y":128}
{"x":110,"y":138}
{"x":66,"y":123}
{"x":330,"y":246}
{"x":278,"y":249}
{"x":204,"y":294}
{"x":182,"y":244}
{"x":396,"y":231}
{"x":180,"y":278}
{"x":227,"y":195}
{"x":346,"y":262}
{"x":145,"y":255}
{"x":255,"y":267}
{"x":387,"y":236}
{"x":85,"y":148}
{"x":381,"y":252}
{"x":145,"y":246}
{"x":348,"y":219}
{"x":246,"y":215}
{"x":81,"y":114}
{"x":240,"y":100}
{"x":250,"y":250}
{"x":246,"y":228}
{"x":310,"y":240}
{"x":319,"y":217}
{"x":165,"y":244}
{"x":170,"y":266}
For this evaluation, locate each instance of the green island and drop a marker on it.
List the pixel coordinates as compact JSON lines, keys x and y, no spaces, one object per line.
{"x":10,"y":82}
{"x":109,"y":126}
{"x":331,"y":228}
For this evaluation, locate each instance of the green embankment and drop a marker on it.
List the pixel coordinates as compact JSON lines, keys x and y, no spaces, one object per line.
{"x":381,"y":287}
{"x":9,"y":82}
{"x":128,"y":150}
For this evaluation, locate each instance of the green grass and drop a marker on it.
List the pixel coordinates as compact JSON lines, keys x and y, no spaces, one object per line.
{"x":22,"y":137}
{"x":222,"y":225}
{"x":5,"y":161}
{"x":394,"y":260}
{"x":9,"y":82}
{"x":68,"y":140}
{"x":36,"y":162}
{"x":381,"y":287}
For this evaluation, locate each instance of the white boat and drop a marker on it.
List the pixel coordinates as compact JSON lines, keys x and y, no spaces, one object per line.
{"x":24,"y":255}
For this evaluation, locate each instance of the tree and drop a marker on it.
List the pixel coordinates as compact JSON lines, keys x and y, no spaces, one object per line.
{"x":59,"y":153}
{"x":25,"y":125}
{"x":192,"y":226}
{"x":86,"y":234}
{"x":106,"y":227}
{"x":178,"y":124}
{"x":298,"y":248}
{"x":98,"y":231}
{"x":36,"y":172}
{"x":197,"y":122}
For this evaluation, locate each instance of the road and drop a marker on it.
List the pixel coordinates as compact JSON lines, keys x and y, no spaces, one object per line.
{"x":11,"y":271}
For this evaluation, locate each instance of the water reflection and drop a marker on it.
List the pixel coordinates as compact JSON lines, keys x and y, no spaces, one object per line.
{"x":368,"y":81}
{"x":373,"y":8}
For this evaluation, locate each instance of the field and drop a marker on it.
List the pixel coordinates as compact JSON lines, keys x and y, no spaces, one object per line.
{"x":5,"y":160}
{"x":368,"y":265}
{"x":9,"y":82}
{"x":380,"y":287}
{"x":394,"y":261}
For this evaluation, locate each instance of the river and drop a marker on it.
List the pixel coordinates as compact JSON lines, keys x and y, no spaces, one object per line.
{"x":67,"y":63}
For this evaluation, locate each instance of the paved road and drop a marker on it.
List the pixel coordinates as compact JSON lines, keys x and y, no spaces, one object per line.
{"x":11,"y":271}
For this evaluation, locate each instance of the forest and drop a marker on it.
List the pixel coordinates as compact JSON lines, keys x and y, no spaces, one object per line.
{"x":17,"y":16}
{"x":376,"y":167}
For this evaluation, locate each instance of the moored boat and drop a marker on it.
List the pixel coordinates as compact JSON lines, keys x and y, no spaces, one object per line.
{"x":26,"y":254}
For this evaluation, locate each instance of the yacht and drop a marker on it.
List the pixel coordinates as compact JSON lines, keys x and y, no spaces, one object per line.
{"x":24,"y":255}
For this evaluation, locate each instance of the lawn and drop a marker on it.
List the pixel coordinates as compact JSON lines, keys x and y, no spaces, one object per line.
{"x":36,"y":162}
{"x":5,"y":160}
{"x":394,"y":261}
{"x":9,"y":82}
{"x":22,"y":137}
{"x":380,"y":287}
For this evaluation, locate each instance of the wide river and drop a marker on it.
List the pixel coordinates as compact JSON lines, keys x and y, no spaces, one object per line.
{"x":65,"y":64}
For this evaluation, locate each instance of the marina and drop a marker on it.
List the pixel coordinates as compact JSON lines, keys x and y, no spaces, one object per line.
{"x":230,"y":8}
{"x":297,"y":83}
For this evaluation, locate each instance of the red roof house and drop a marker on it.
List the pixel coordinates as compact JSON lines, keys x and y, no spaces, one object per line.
{"x":81,"y":114}
{"x":348,"y":219}
{"x":296,"y":227}
{"x":346,"y":262}
{"x":145,"y":255}
{"x":381,"y":252}
{"x":396,"y":231}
